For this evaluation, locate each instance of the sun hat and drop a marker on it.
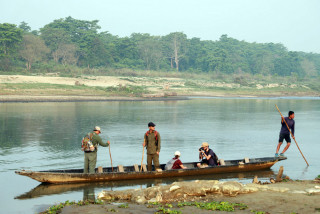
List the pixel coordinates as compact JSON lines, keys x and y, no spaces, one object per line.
{"x":205,"y":144}
{"x":97,"y":128}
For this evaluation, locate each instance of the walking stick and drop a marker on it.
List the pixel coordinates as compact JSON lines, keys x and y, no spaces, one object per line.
{"x":110,"y":158}
{"x":292,"y":135}
{"x":142,"y":159}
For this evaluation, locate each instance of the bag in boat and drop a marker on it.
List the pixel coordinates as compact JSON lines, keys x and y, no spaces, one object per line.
{"x":86,"y":144}
{"x":170,"y":164}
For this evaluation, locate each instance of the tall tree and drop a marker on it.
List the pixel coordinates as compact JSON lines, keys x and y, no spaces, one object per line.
{"x":175,"y":47}
{"x":55,"y":37}
{"x":66,"y":54}
{"x":33,"y":49}
{"x":97,"y":52}
{"x":127,"y":53}
{"x":150,"y":52}
{"x":79,"y":32}
{"x":25,"y":27}
{"x":10,"y":38}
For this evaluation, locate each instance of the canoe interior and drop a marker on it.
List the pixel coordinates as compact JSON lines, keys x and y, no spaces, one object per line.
{"x":190,"y":166}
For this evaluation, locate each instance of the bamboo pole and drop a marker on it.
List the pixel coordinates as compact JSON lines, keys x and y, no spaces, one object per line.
{"x":110,"y":158}
{"x":292,"y":134}
{"x":142,"y":158}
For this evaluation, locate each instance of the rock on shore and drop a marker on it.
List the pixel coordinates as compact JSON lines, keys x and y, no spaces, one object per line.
{"x":180,"y":191}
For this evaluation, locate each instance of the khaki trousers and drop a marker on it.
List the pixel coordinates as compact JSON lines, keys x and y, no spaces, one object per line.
{"x":90,"y":161}
{"x":155,"y":159}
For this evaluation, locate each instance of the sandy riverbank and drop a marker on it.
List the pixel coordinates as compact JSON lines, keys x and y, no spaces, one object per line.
{"x":19,"y":88}
{"x":283,"y":197}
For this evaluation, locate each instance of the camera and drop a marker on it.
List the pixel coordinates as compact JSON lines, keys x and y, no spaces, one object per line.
{"x":201,"y":149}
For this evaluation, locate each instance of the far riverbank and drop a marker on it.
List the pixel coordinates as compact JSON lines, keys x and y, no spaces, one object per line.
{"x":20,"y":88}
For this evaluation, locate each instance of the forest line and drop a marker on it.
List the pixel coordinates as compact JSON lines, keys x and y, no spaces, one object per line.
{"x":68,"y":44}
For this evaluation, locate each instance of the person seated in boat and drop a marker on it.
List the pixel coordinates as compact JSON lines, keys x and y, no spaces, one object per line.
{"x":206,"y":156}
{"x":175,"y":163}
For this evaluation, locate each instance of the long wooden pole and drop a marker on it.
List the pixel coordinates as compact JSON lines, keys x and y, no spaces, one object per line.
{"x":110,"y":158}
{"x":292,"y":135}
{"x":142,"y":159}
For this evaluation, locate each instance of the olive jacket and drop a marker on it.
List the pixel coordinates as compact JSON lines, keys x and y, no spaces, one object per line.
{"x":96,"y":140}
{"x":153,"y":145}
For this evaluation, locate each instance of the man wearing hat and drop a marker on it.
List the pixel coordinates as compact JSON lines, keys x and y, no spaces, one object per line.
{"x":207,"y":156}
{"x":90,"y":157}
{"x":152,"y":141}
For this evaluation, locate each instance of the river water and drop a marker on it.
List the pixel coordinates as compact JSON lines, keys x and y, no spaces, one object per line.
{"x":44,"y":136}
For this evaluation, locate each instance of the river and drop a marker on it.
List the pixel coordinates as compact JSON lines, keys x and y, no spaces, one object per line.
{"x":44,"y":136}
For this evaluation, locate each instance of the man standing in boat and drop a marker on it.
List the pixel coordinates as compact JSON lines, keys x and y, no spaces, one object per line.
{"x":285,"y":133}
{"x":152,"y":141}
{"x":90,"y":157}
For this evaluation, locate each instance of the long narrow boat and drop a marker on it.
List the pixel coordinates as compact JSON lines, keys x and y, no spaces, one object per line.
{"x":131,"y":172}
{"x":45,"y":189}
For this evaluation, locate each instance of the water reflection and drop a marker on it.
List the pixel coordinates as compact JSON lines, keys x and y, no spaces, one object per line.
{"x":88,"y":194}
{"x":89,"y":188}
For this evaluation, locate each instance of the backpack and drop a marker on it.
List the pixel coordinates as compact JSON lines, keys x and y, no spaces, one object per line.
{"x":86,"y":144}
{"x":155,"y":135}
{"x":170,"y":163}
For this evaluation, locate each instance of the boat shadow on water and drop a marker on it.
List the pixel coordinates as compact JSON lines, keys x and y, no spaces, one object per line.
{"x":46,"y":189}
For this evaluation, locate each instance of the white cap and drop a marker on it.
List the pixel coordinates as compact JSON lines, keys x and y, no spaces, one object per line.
{"x":97,"y":128}
{"x":177,"y":153}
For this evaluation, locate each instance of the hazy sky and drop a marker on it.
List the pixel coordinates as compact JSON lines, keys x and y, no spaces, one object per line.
{"x":294,"y":23}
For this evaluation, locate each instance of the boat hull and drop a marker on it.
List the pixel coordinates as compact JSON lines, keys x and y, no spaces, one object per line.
{"x":76,"y":176}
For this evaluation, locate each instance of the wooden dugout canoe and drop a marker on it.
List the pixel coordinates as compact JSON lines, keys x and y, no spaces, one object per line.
{"x":129,"y":173}
{"x":45,"y":189}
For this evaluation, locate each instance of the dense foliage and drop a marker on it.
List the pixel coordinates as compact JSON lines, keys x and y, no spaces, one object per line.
{"x":69,"y":42}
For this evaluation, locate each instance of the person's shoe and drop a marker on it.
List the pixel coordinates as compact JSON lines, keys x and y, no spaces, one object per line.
{"x":282,"y":155}
{"x":276,"y":155}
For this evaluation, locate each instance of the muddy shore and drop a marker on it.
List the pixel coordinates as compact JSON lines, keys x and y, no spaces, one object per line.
{"x":282,"y":197}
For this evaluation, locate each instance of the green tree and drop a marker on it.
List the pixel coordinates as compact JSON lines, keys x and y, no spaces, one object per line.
{"x":175,"y":48}
{"x":69,"y":30}
{"x":25,"y":27}
{"x":55,"y":37}
{"x":10,"y":38}
{"x":127,"y":54}
{"x":109,"y":42}
{"x":288,"y":64}
{"x":150,"y":52}
{"x":33,"y":49}
{"x":97,"y":52}
{"x":66,"y":54}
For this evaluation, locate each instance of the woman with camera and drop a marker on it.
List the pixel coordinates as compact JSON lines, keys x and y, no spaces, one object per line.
{"x":206,"y":156}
